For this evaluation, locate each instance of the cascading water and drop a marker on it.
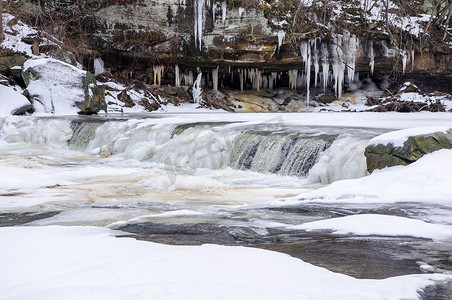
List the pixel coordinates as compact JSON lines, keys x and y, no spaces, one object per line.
{"x":83,"y":134}
{"x":279,"y":153}
{"x":319,"y":155}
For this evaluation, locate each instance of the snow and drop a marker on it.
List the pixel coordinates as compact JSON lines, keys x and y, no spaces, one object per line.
{"x":10,"y":101}
{"x":399,"y":137}
{"x":384,"y":225}
{"x":56,"y":262}
{"x":426,"y":180}
{"x":13,"y":35}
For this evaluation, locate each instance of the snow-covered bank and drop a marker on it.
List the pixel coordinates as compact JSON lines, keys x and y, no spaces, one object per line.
{"x":399,"y":137}
{"x":426,"y":180}
{"x":368,"y":224}
{"x":90,"y":263}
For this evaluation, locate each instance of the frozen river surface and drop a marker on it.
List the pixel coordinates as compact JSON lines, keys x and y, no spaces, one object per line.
{"x":291,"y":183}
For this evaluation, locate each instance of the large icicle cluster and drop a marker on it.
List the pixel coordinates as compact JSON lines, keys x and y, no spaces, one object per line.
{"x":200,"y":20}
{"x":200,"y":10}
{"x":314,"y":52}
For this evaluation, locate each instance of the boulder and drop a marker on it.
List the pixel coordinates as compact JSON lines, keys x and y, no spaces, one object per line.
{"x":12,"y":102}
{"x":126,"y":99}
{"x":10,"y":59}
{"x":60,"y":88}
{"x":380,"y":156}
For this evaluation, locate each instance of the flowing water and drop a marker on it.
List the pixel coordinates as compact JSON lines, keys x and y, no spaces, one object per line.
{"x":201,"y":182}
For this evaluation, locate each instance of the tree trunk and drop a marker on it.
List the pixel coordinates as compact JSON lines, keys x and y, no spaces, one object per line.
{"x":1,"y":21}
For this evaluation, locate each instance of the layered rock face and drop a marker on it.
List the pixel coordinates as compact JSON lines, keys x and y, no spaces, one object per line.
{"x":135,"y":35}
{"x":169,"y":42}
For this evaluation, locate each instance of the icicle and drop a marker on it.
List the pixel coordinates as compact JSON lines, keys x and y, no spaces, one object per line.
{"x":99,"y":67}
{"x":293,"y":78}
{"x":325,"y":66}
{"x":223,"y":12}
{"x":412,"y":59}
{"x":241,"y":11}
{"x":385,"y":49}
{"x":281,"y":35}
{"x":308,"y":73}
{"x":304,"y":51}
{"x":197,"y":98}
{"x":404,"y":55}
{"x":229,"y":70}
{"x":214,"y":9}
{"x":258,"y":79}
{"x":177,"y":75}
{"x":316,"y":66}
{"x":215,"y":78}
{"x":301,"y":80}
{"x":274,"y":76}
{"x":372,"y":58}
{"x":338,"y":66}
{"x":158,"y":74}
{"x":264,"y":82}
{"x":188,"y":78}
{"x":199,"y":21}
{"x":241,"y":79}
{"x":270,"y":81}
{"x":351,"y":44}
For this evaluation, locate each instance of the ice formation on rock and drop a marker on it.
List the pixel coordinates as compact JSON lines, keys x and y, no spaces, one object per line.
{"x":197,"y":98}
{"x":281,"y":35}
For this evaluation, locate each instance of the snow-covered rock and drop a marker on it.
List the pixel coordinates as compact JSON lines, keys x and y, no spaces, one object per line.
{"x":59,"y":88}
{"x":12,"y":102}
{"x":403,"y":147}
